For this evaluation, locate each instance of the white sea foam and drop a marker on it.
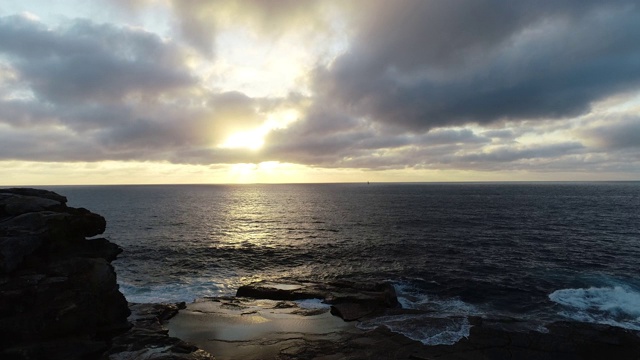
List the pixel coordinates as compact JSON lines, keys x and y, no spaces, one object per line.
{"x":412,"y":298}
{"x":445,"y":324}
{"x":615,"y":305}
{"x":312,"y":304}
{"x":170,"y":293}
{"x":427,"y":329}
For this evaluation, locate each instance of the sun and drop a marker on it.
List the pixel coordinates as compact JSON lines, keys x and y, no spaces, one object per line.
{"x":252,"y":140}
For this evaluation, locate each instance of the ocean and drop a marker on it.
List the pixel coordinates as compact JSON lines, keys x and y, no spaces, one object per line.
{"x":538,"y":252}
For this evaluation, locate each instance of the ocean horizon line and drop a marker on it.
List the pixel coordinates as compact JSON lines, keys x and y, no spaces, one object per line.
{"x":365,"y":182}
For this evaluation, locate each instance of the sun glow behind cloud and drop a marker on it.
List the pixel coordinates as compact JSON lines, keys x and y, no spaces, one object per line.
{"x":246,"y":63}
{"x":254,"y":139}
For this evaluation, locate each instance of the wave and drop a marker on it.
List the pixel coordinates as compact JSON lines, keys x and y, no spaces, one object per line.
{"x":427,"y":329}
{"x":187,"y":291}
{"x":411,"y":297}
{"x":610,"y":305}
{"x":445,"y":323}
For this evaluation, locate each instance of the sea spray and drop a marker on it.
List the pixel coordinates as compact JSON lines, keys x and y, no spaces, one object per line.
{"x":615,"y":305}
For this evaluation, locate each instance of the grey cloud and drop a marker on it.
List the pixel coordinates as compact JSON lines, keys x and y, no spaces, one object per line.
{"x":199,"y":20}
{"x":196,"y":21}
{"x":85,"y":61}
{"x":426,"y":64}
{"x":327,"y":137}
{"x":618,"y":134}
{"x":322,"y":137}
{"x":240,"y":110}
{"x":509,"y":154}
{"x":449,"y":136}
{"x":46,"y":145}
{"x":500,"y":134}
{"x":475,"y":157}
{"x":94,"y":132}
{"x":25,"y":113}
{"x":120,"y":93}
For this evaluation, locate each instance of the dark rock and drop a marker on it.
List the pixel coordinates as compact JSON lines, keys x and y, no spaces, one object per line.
{"x":42,"y":233}
{"x":38,"y":193}
{"x":62,"y":349}
{"x":148,"y":339}
{"x":492,"y":339}
{"x":382,"y":294}
{"x":59,"y":298}
{"x":349,"y":311}
{"x":17,"y":204}
{"x":349,"y":300}
{"x":13,"y":249}
{"x":95,"y":248}
{"x":277,"y":291}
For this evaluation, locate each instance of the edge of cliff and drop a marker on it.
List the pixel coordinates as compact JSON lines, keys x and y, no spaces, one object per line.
{"x":59,"y":298}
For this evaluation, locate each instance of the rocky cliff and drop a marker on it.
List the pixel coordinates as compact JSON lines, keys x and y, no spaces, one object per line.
{"x":58,"y":293}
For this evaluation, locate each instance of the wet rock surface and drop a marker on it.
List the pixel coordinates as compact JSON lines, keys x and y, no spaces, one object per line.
{"x":244,"y":328}
{"x":250,"y":327}
{"x":148,"y":339}
{"x":349,"y":300}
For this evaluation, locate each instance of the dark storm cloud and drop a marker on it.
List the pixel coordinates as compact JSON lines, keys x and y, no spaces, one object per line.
{"x":425,"y":64}
{"x":85,"y":61}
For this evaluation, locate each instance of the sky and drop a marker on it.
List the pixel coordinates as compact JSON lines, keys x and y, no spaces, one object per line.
{"x":282,"y":91}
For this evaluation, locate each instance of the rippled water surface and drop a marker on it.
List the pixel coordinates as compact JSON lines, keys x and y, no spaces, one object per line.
{"x":536,"y":250}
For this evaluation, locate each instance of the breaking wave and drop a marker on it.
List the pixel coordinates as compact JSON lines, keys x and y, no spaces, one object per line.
{"x":614,"y":305}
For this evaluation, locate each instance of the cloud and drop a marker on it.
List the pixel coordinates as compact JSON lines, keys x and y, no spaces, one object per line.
{"x":199,"y":21}
{"x":510,"y":154}
{"x":419,"y":65}
{"x":620,"y":133}
{"x":90,"y":92}
{"x":322,"y":137}
{"x":462,"y":84}
{"x":84,"y":61}
{"x":327,"y":137}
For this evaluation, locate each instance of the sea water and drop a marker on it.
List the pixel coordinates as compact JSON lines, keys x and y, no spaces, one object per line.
{"x":539,"y":251}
